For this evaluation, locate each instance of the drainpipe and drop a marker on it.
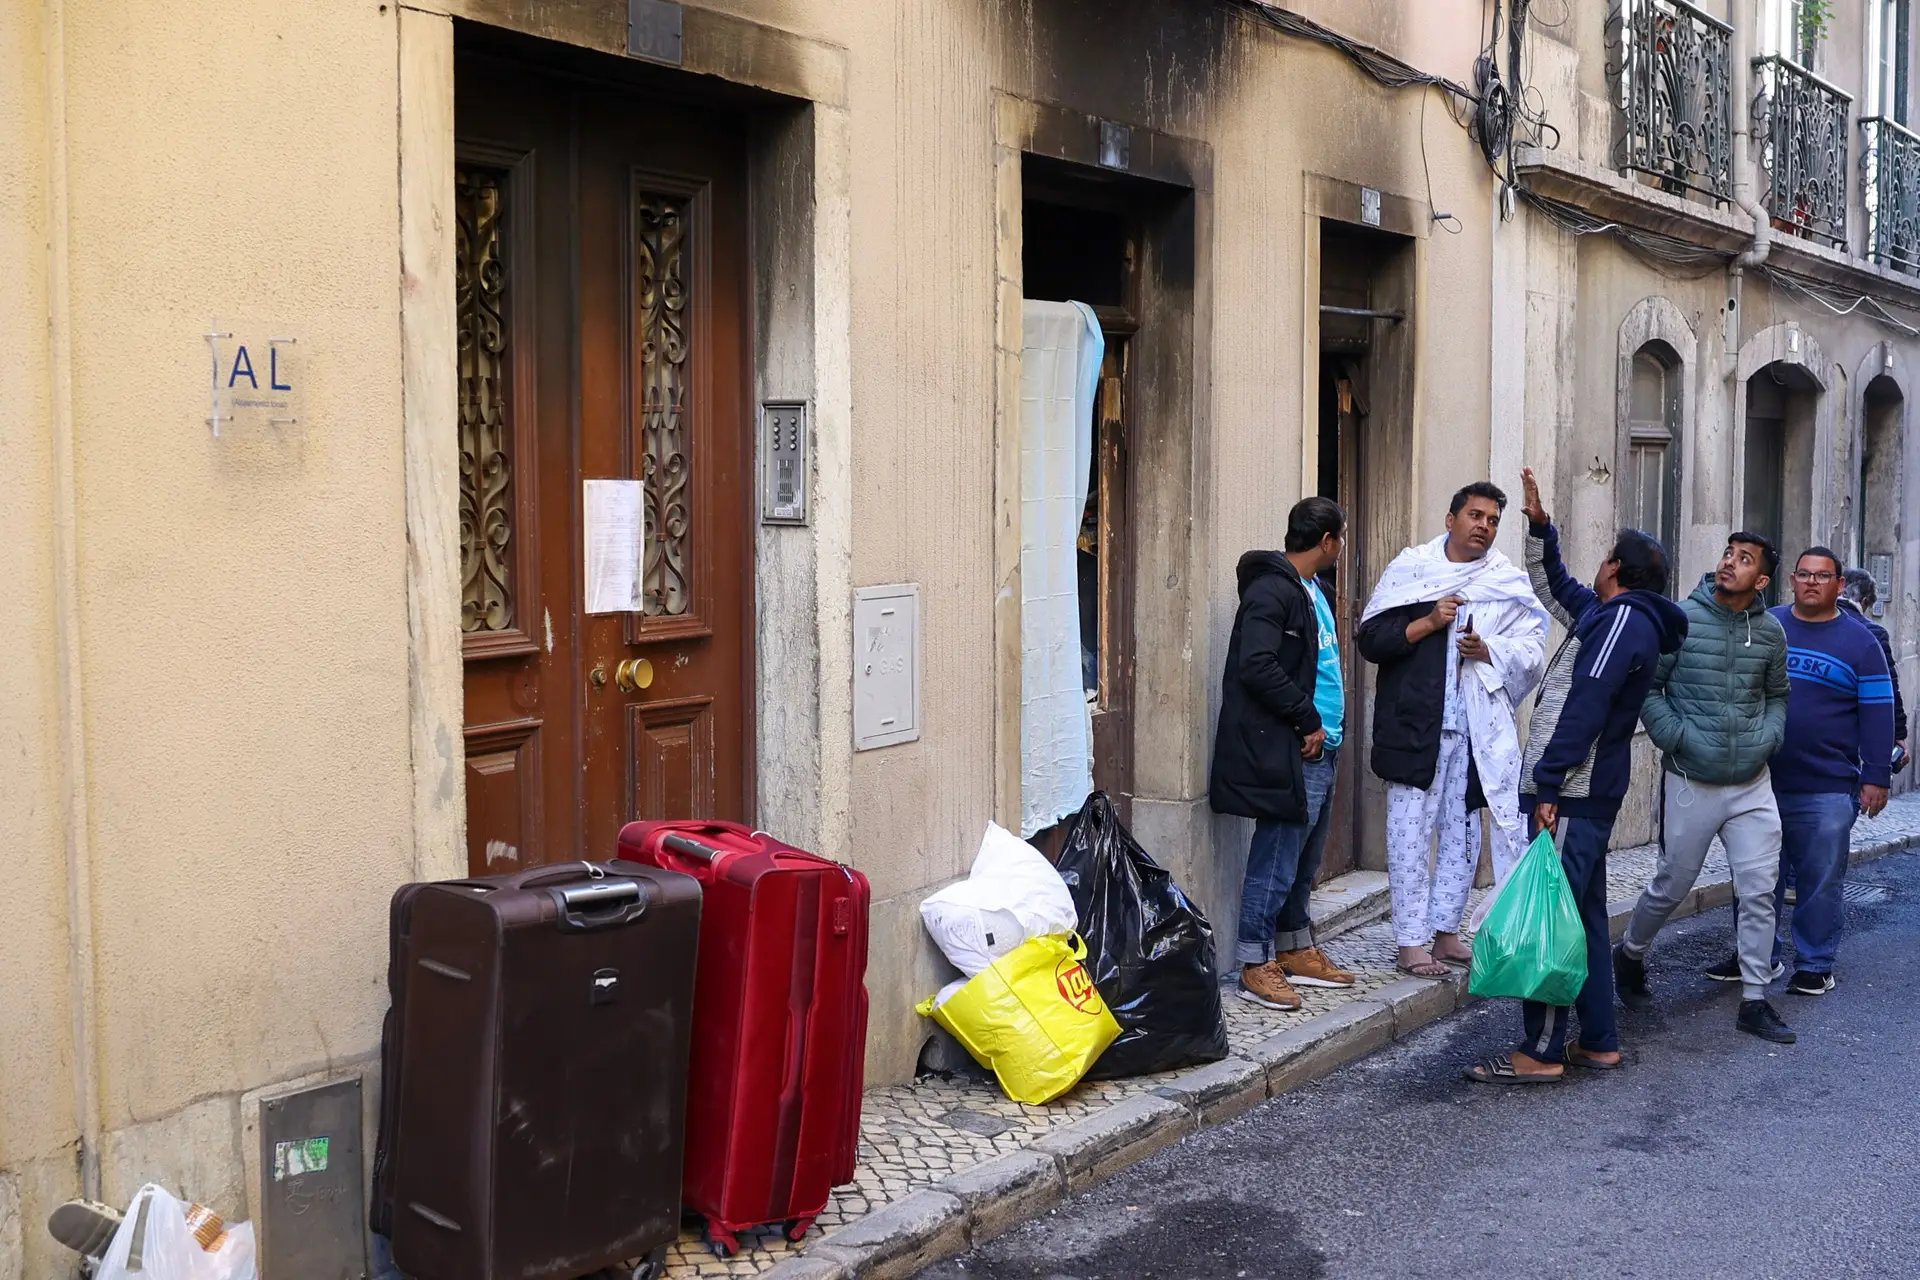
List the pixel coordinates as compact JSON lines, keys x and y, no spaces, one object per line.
{"x":1746,"y":177}
{"x":70,"y":709}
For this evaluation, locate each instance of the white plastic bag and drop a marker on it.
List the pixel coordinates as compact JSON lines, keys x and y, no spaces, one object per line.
{"x":167,"y":1246}
{"x":1011,"y":895}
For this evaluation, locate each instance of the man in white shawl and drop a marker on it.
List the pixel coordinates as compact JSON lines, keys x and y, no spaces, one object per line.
{"x":1460,"y":640}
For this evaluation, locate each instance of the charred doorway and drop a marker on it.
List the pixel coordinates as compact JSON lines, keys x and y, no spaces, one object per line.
{"x":1088,"y":236}
{"x":1081,"y":243}
{"x":1365,"y":463}
{"x":1777,"y":489}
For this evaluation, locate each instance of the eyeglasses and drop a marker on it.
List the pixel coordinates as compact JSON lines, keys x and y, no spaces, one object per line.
{"x":1820,"y":577}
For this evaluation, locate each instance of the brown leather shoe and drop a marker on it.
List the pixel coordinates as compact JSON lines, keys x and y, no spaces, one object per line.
{"x":1267,"y":984}
{"x":1310,"y":967}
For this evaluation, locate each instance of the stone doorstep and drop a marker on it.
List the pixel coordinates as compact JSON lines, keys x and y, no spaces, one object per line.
{"x":1346,"y":902}
{"x":979,"y":1203}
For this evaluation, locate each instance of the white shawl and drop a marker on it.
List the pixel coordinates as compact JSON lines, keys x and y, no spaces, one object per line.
{"x":1508,"y":616}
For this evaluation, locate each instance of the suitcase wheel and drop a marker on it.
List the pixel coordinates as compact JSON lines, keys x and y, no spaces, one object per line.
{"x":797,"y":1228}
{"x":651,"y":1267}
{"x":723,"y":1242}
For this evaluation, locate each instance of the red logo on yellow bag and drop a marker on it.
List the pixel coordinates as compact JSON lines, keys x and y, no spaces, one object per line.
{"x":1076,"y":986}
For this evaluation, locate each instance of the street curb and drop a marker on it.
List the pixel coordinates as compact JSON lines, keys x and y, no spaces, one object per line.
{"x":895,"y":1241}
{"x":985,"y":1201}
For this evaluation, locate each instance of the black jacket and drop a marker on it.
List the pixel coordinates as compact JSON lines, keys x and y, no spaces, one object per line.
{"x":1409,"y":699}
{"x":1886,"y":647}
{"x":1266,"y":694}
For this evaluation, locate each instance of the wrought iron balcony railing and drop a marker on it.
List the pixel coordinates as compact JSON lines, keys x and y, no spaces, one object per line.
{"x":1673,"y":70}
{"x":1802,"y":124}
{"x":1890,"y":158}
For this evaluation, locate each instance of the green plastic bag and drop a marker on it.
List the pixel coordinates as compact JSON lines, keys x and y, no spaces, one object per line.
{"x":1532,"y":945}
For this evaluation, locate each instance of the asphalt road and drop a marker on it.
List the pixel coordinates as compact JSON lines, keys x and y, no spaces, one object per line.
{"x":1712,"y":1154}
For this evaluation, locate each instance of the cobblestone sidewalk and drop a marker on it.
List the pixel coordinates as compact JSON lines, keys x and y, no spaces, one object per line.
{"x":914,"y":1136}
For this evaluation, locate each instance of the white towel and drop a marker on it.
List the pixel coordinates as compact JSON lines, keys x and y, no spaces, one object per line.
{"x":1059,"y":371}
{"x":1508,"y":616}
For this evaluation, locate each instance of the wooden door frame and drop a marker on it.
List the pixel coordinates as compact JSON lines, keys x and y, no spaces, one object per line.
{"x":1395,"y":401}
{"x":799,"y":235}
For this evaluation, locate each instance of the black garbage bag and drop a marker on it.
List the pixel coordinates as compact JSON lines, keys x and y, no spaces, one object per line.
{"x":1149,"y":949}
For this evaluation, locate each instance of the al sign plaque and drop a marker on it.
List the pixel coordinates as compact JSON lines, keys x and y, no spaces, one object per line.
{"x":256,"y":379}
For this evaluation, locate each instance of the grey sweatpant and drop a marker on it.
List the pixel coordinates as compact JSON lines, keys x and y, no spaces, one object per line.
{"x":1747,"y":821}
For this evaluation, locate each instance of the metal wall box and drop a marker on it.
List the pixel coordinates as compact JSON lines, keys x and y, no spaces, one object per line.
{"x":313,"y":1201}
{"x":783,"y":462}
{"x":1880,"y":565}
{"x":654,"y":31}
{"x":886,"y":666}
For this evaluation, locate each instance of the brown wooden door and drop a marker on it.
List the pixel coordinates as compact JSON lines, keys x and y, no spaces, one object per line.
{"x":1342,"y":408}
{"x":1106,"y":553}
{"x":602,"y":280}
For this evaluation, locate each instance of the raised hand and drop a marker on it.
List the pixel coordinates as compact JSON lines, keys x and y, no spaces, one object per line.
{"x":1530,"y":498}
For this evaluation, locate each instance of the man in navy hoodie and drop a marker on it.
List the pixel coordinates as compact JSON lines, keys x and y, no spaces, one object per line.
{"x":1579,"y":762}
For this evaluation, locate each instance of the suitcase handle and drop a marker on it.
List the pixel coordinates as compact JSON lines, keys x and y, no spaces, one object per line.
{"x":600,"y":904}
{"x":689,"y":846}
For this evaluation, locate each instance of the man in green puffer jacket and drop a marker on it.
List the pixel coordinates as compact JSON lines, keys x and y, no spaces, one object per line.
{"x":1718,"y":712}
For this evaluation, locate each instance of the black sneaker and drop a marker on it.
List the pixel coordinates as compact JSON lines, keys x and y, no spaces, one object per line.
{"x":1806,"y":983}
{"x":1630,"y":978}
{"x":1757,"y":1018}
{"x":1728,"y":970}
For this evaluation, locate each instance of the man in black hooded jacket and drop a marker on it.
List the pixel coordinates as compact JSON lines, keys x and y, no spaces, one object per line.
{"x":1271,"y":762}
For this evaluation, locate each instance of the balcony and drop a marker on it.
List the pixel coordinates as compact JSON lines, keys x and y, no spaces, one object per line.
{"x":1891,"y":161}
{"x":1801,"y":121}
{"x":1672,"y":65}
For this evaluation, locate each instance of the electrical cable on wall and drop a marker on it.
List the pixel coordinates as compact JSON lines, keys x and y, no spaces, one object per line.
{"x":1490,"y":113}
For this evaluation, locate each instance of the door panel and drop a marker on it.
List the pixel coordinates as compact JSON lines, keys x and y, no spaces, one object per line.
{"x":618,"y":353}
{"x":503,"y":792}
{"x":671,"y":746}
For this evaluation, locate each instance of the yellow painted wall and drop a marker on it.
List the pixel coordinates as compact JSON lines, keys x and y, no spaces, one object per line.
{"x":243,"y":614}
{"x":238,"y":609}
{"x":37,"y":1121}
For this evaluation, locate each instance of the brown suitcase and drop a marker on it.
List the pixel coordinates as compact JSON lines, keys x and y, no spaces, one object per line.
{"x":537,"y":1071}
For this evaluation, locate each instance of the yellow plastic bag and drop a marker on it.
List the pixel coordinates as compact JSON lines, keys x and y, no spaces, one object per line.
{"x":1033,"y":1018}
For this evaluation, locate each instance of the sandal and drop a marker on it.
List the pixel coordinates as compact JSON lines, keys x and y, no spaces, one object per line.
{"x":1425,"y":969}
{"x":1500,"y":1071}
{"x":1582,"y":1057}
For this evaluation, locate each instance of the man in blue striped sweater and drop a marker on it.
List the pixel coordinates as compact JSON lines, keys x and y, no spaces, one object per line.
{"x":1835,"y":762}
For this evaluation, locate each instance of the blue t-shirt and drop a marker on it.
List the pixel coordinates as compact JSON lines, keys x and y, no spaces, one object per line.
{"x":1839,"y":707}
{"x":1329,"y":691}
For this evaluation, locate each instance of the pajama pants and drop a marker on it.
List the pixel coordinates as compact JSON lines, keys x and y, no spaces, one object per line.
{"x":1429,"y":902}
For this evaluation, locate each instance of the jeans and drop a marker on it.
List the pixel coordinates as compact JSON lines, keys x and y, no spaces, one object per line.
{"x":1583,"y":854}
{"x":1281,"y":863}
{"x":1816,"y":831}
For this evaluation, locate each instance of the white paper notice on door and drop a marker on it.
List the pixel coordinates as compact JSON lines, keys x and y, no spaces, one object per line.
{"x":613,"y":546}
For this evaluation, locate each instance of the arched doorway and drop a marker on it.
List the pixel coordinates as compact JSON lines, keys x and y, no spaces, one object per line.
{"x":1782,"y":403}
{"x":1882,"y":416}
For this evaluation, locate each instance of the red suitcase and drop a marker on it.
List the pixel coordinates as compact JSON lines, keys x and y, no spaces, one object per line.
{"x":779,"y":1024}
